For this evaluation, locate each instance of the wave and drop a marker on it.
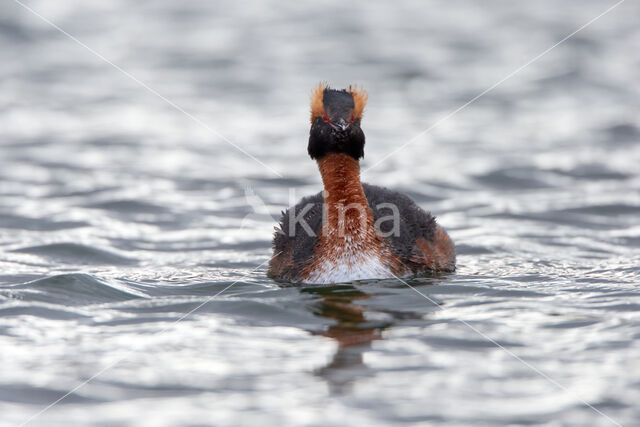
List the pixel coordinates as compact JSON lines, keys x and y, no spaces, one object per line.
{"x":75,"y":253}
{"x":71,"y":289}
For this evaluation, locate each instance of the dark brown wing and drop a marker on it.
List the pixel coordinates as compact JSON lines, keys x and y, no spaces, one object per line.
{"x":295,"y":239}
{"x":438,"y":254}
{"x":419,"y":243}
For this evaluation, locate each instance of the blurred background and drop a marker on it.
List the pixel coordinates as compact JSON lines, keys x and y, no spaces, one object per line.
{"x":127,"y":199}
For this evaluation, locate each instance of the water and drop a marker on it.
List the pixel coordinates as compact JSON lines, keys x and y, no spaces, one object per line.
{"x":119,"y":215}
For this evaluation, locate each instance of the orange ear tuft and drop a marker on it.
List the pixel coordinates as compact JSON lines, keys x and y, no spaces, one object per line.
{"x":317,"y":106}
{"x":359,"y":100}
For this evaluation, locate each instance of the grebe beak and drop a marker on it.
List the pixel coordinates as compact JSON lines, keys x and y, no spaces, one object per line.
{"x":340,"y":125}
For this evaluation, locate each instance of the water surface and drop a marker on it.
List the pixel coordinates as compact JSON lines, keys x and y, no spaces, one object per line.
{"x":133,"y":239}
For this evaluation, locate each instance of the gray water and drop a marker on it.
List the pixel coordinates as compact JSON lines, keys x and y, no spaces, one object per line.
{"x":133,"y":238}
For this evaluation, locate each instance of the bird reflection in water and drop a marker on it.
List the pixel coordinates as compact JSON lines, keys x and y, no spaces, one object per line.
{"x":352,"y":331}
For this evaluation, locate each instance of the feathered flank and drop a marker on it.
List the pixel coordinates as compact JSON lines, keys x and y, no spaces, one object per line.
{"x":359,"y":100}
{"x":317,"y":106}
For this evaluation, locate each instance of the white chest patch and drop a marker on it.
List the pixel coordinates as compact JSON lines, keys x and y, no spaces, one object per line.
{"x":349,"y":266}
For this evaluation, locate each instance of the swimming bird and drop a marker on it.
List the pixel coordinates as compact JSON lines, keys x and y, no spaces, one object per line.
{"x":352,"y":230}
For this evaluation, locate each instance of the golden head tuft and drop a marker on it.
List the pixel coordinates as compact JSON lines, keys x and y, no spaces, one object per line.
{"x":359,"y":100}
{"x":317,"y":106}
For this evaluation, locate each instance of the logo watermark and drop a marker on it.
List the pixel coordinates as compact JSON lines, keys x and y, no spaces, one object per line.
{"x":337,"y":218}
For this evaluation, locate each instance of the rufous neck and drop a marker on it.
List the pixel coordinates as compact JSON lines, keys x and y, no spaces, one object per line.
{"x":344,"y":199}
{"x":341,"y":178}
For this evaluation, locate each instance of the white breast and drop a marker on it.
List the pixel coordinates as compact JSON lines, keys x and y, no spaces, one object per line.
{"x":349,"y":266}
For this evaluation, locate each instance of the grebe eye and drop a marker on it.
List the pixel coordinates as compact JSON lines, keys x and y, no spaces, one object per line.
{"x":325,"y":118}
{"x":352,"y":119}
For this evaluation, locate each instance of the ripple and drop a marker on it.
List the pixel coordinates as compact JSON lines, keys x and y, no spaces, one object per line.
{"x":604,"y":209}
{"x":592,"y":172}
{"x":72,"y":289}
{"x":129,"y":206}
{"x":466,"y":249}
{"x":25,"y":393}
{"x":622,"y":134}
{"x":37,"y":224}
{"x":467,"y":344}
{"x":74,"y":253}
{"x":512,"y":179}
{"x":557,"y":218}
{"x":44,"y":312}
{"x":252,"y":312}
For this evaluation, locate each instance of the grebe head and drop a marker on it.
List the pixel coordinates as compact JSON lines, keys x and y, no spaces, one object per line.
{"x":335,"y":121}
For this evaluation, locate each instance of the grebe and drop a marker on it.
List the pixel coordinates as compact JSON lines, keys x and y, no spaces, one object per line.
{"x":352,"y":231}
